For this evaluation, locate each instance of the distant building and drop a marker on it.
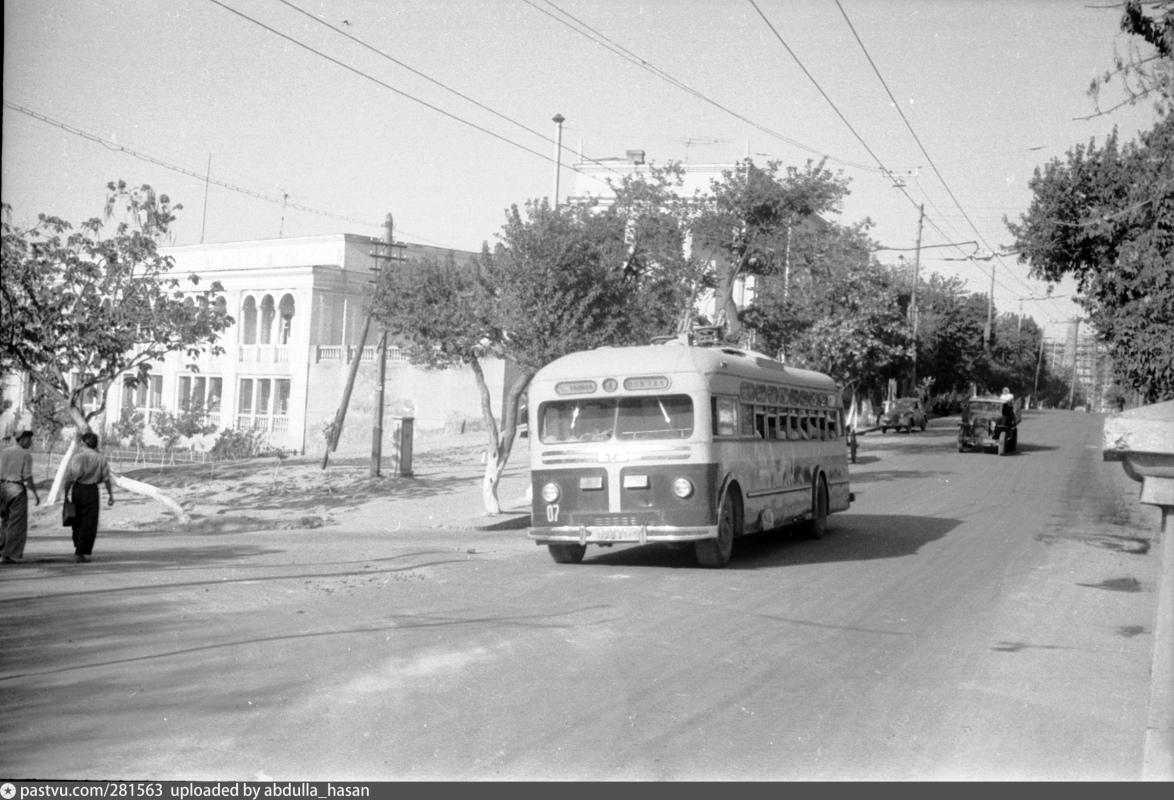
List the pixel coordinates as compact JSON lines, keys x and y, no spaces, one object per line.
{"x":1081,"y":359}
{"x":299,"y":310}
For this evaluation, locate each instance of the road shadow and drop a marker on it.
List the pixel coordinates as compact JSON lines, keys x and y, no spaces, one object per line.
{"x":895,"y":475}
{"x":850,"y":537}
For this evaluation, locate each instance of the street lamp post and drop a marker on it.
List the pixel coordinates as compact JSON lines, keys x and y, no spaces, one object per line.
{"x":558,"y":153}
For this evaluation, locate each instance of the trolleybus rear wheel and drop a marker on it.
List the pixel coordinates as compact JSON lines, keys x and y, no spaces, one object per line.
{"x":817,"y":526}
{"x":567,"y":553}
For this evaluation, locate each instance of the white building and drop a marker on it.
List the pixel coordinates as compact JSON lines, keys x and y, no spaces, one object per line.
{"x":299,"y":310}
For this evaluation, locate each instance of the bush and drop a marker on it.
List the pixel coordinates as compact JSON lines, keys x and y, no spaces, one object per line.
{"x":235,"y":444}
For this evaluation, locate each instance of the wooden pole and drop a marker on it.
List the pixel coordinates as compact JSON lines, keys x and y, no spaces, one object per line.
{"x":340,"y":416}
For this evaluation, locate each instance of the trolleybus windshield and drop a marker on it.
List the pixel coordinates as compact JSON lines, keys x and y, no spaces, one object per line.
{"x":623,"y":418}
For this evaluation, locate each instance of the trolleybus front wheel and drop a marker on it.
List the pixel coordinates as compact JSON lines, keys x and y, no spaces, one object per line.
{"x":567,"y":553}
{"x":715,"y":553}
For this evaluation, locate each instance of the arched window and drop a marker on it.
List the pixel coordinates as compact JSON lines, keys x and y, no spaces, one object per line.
{"x":268,"y":313}
{"x":248,"y":321}
{"x":285,"y":326}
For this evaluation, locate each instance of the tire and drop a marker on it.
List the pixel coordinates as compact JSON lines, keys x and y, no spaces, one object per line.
{"x":884,"y":429}
{"x":1003,"y":443}
{"x":923,"y":422}
{"x":817,"y":526}
{"x":961,"y":446}
{"x":567,"y":553}
{"x":715,"y":553}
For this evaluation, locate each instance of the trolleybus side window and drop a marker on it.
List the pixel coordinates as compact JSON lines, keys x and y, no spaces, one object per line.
{"x":725,"y":416}
{"x":747,"y":421}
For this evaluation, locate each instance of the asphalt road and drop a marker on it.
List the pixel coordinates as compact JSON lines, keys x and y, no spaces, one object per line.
{"x":972,"y":617}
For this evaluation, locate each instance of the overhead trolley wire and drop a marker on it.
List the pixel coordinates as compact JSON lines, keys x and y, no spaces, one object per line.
{"x":917,"y":139}
{"x":391,"y":88}
{"x":603,"y":41}
{"x":435,"y":82}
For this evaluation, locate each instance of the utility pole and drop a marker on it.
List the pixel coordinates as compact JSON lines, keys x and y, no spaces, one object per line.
{"x":1075,"y":358}
{"x":913,"y":297}
{"x":1038,"y":362}
{"x":558,"y":119}
{"x":381,"y":358}
{"x":990,"y":311}
{"x":207,"y":180}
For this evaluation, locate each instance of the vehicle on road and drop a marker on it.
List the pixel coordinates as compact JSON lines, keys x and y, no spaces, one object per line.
{"x":681,"y":444}
{"x":904,"y":413}
{"x":989,"y":423}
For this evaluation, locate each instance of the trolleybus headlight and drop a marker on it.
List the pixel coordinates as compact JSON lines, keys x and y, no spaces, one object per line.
{"x":682,"y":487}
{"x":550,"y":492}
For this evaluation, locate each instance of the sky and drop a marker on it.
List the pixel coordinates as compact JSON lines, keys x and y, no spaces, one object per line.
{"x":286,"y":118}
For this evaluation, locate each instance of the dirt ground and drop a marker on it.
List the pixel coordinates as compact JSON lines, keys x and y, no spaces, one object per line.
{"x":443,"y":491}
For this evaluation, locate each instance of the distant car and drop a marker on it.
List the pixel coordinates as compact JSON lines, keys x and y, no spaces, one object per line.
{"x":907,"y":413}
{"x":989,"y":422}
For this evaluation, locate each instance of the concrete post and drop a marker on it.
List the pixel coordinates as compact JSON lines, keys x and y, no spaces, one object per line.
{"x":1143,"y":441}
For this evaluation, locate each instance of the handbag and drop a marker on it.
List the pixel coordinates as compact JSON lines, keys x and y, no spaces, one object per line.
{"x":67,"y":513}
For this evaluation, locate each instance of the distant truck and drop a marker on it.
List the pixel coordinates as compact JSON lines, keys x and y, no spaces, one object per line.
{"x":989,"y":423}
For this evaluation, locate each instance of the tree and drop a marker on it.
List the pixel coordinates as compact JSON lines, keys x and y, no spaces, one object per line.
{"x":751,"y":218}
{"x":49,"y":419}
{"x":950,"y":334}
{"x":1106,"y":218}
{"x":80,"y":311}
{"x":183,"y":424}
{"x":558,"y":281}
{"x":1146,"y":70}
{"x":837,"y":312}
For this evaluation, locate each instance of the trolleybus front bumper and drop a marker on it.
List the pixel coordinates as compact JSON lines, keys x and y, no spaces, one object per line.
{"x":620,"y":534}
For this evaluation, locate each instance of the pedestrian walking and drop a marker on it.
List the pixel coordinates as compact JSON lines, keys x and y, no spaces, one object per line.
{"x":87,"y":469}
{"x":16,"y":478}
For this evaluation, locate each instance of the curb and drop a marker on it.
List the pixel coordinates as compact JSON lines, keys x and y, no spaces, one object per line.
{"x":511,"y":524}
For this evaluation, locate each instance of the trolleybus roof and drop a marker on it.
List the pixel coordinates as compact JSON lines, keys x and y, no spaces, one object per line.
{"x":675,"y":358}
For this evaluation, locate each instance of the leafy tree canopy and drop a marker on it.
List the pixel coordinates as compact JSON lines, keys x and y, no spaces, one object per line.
{"x":77,"y":309}
{"x":750,"y":216}
{"x":838,"y":312}
{"x":1105,"y":217}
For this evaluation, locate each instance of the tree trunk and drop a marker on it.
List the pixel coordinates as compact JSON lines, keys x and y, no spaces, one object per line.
{"x":500,"y":444}
{"x":137,"y":487}
{"x":146,"y":489}
{"x":493,"y":469}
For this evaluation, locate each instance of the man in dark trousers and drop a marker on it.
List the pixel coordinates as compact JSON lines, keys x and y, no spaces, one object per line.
{"x":16,"y":477}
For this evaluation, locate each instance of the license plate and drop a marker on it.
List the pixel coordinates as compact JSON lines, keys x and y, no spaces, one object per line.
{"x":611,"y":533}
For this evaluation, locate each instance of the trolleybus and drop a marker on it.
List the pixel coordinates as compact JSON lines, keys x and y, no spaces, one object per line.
{"x":681,"y":444}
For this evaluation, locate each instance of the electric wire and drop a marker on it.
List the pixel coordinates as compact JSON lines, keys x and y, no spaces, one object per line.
{"x":174,"y":168}
{"x":917,"y":139}
{"x":621,"y":51}
{"x":205,"y":178}
{"x":447,"y":88}
{"x":399,"y":92}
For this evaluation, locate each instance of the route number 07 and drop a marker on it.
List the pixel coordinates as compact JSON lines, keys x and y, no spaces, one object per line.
{"x":552,"y":512}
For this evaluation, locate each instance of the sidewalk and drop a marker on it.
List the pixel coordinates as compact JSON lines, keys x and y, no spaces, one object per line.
{"x":444,"y":491}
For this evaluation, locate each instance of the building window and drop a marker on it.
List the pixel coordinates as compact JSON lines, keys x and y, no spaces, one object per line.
{"x":285,"y":327}
{"x":265,"y":332}
{"x":264,"y":404}
{"x":199,"y":392}
{"x":145,"y":396}
{"x":248,"y":321}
